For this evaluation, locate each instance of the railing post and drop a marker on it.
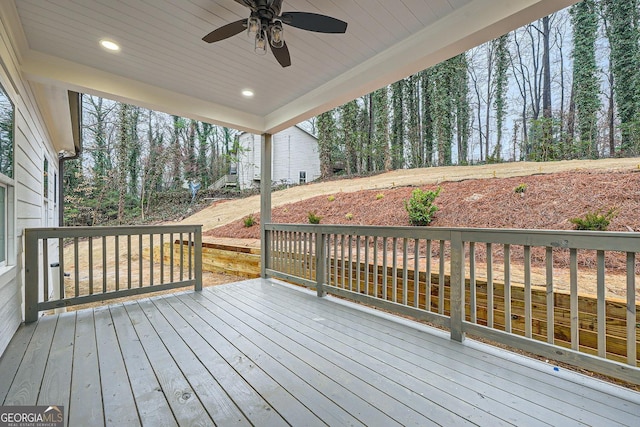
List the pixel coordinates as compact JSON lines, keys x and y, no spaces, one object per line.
{"x":320,"y":264}
{"x":197,"y":253}
{"x":265,"y":253}
{"x":31,"y":276}
{"x":457,"y":286}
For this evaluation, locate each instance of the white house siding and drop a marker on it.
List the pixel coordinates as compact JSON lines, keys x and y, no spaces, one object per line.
{"x":294,"y":151}
{"x":26,"y":200}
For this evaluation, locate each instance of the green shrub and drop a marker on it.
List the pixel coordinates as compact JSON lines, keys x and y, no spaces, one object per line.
{"x":349,"y":216}
{"x":249,"y":221}
{"x":420,"y":206}
{"x":313,"y":218}
{"x":331,"y":198}
{"x":379,"y":196}
{"x":595,"y":221}
{"x":520,"y":188}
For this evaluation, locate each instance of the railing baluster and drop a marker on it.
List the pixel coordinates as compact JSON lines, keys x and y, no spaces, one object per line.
{"x":61,"y":267}
{"x":376,"y":275}
{"x":416,"y":273}
{"x":573,"y":288}
{"x":507,"y":288}
{"x":527,"y":291}
{"x":151,"y":260}
{"x":305,"y":256}
{"x":358,"y":263}
{"x":90,"y":243}
{"x":162,"y":258}
{"x":336,"y":262}
{"x":366,"y":265}
{"x":190,"y":250}
{"x":117,"y":263}
{"x":405,"y":272}
{"x":140,"y":259}
{"x":441,"y":279}
{"x":472,"y":283}
{"x":489,"y":285}
{"x":76,"y":268}
{"x":394,"y":270}
{"x":181,"y":257}
{"x":601,"y":314}
{"x":129,"y":262}
{"x":45,"y":269}
{"x":343,"y":261}
{"x":631,"y":310}
{"x":104,"y":264}
{"x":385,"y":273}
{"x":350,"y":262}
{"x":550,"y":299}
{"x":427,"y":290}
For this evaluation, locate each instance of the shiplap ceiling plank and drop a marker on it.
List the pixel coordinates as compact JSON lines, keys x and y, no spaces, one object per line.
{"x":165,"y":65}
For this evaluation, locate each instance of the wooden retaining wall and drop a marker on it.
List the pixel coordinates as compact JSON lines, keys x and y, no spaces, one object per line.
{"x":218,"y":258}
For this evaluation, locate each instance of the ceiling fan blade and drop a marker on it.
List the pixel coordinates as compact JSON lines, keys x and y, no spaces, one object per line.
{"x":226,"y":31}
{"x":281,"y":53}
{"x":314,"y":22}
{"x":244,"y":2}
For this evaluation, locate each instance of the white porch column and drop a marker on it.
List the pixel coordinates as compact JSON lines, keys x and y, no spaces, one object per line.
{"x":265,"y":200}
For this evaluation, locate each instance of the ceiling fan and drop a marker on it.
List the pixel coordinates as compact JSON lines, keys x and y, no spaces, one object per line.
{"x":265,"y":25}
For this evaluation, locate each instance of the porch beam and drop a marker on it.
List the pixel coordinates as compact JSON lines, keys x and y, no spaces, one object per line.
{"x":265,"y":200}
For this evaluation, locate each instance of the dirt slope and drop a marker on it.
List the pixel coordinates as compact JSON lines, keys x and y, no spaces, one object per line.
{"x":548,"y":202}
{"x":224,"y":212}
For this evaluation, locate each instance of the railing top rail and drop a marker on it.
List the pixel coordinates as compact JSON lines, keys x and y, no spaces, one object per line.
{"x":99,"y":231}
{"x":598,"y":240}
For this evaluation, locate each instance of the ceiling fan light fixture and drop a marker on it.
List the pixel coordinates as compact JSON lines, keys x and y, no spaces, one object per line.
{"x":261,"y":43}
{"x":277,"y":34}
{"x":253,"y":26}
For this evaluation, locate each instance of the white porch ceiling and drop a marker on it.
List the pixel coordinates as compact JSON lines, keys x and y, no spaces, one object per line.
{"x":164,"y":64}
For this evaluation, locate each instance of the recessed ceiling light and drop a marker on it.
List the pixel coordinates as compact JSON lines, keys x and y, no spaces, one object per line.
{"x":110,"y":45}
{"x":247,"y":93}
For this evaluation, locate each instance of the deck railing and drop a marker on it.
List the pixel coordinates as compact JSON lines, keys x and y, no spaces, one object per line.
{"x":120,"y":262}
{"x":566,"y":295}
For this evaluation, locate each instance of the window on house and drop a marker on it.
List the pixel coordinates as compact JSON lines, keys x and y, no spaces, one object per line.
{"x":6,"y":176}
{"x":303,"y":177}
{"x":45,"y":178}
{"x":3,"y":225}
{"x":6,"y":135}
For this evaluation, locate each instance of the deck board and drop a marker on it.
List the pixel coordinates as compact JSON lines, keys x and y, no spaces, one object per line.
{"x":434,"y":388}
{"x":404,"y":404}
{"x":269,"y":382}
{"x":190,"y":327}
{"x":475,"y":370}
{"x":184,"y":402}
{"x":152,"y":405}
{"x":85,"y":405}
{"x":13,"y":356}
{"x":213,"y":397}
{"x":26,"y":383}
{"x":59,"y":364}
{"x":117,"y":396}
{"x":264,"y":353}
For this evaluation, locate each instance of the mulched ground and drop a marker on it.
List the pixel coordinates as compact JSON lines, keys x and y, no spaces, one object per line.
{"x":548,"y":202}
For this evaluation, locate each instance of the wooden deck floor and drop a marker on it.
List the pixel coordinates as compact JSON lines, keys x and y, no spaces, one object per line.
{"x":261,"y":353}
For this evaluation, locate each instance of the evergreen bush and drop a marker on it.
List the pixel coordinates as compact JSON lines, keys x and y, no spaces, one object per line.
{"x":420,"y":206}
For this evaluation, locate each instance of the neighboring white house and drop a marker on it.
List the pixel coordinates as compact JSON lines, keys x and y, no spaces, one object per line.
{"x":295,"y":158}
